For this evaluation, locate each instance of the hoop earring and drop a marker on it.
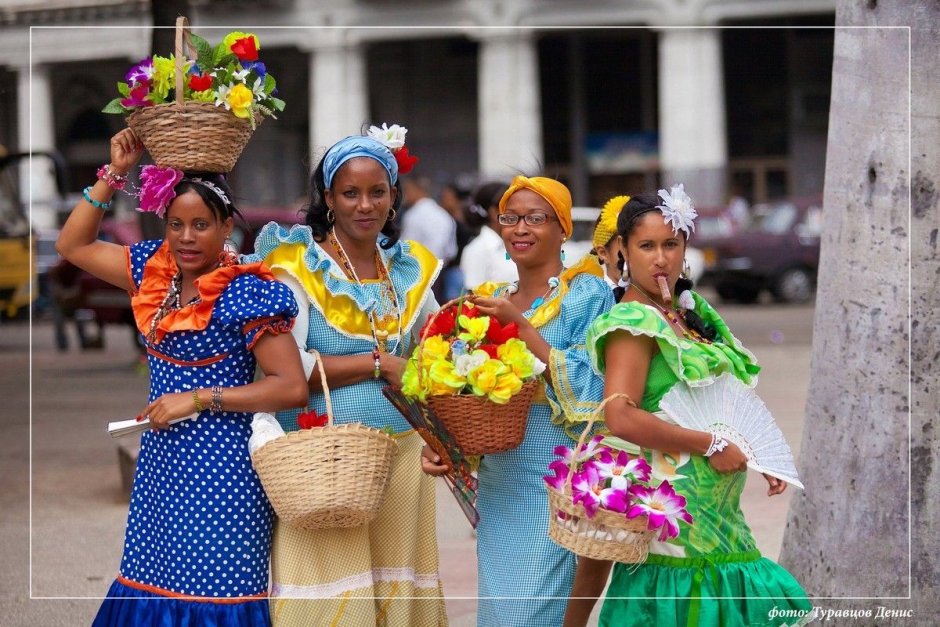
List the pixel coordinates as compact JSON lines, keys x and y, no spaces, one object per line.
{"x":686,"y":269}
{"x":330,"y":215}
{"x":391,"y":215}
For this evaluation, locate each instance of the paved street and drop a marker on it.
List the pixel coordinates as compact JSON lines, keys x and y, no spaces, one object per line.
{"x":58,"y":463}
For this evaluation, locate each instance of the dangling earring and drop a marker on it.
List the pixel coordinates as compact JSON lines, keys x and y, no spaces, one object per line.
{"x":229,"y":255}
{"x":507,"y":255}
{"x":391,"y":215}
{"x":330,"y":215}
{"x":562,"y":255}
{"x":686,"y":269}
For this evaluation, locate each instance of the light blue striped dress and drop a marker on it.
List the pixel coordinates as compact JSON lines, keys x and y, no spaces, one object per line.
{"x":515,"y":555}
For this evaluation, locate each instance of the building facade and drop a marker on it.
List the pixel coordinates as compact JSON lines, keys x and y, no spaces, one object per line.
{"x":610,"y":96}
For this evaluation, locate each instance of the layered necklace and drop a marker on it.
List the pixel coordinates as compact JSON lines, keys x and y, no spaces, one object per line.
{"x":676,"y":318}
{"x":171,"y":302}
{"x":381,"y":325}
{"x":553,"y":283}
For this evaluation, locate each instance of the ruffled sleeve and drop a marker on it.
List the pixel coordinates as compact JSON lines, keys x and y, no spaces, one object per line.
{"x":137,"y":256}
{"x":576,"y":389}
{"x":696,"y":363}
{"x":257,"y":306}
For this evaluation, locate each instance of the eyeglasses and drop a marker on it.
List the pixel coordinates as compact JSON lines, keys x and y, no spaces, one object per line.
{"x":537,"y":218}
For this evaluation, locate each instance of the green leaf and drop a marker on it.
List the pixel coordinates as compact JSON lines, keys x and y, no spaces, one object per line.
{"x":114,"y":106}
{"x":204,"y":53}
{"x":269,"y":83}
{"x":278,"y":103}
{"x":124,"y":90}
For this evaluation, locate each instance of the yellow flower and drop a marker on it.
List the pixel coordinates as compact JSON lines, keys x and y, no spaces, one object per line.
{"x":240,"y":98}
{"x":206,"y":95}
{"x":435,"y":347}
{"x":413,"y":386}
{"x":495,"y":380}
{"x":486,"y":289}
{"x":517,"y":356}
{"x":235,"y":36}
{"x":164,"y":75}
{"x":475,"y":328}
{"x":444,"y":379}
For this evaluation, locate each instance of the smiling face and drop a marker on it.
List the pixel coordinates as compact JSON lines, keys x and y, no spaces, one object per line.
{"x":652,"y":250}
{"x":195,"y":234}
{"x":528,"y":245}
{"x":361,"y":197}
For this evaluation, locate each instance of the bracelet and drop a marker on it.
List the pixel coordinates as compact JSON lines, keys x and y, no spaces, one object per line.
{"x":198,"y":402}
{"x":113,"y":179}
{"x":377,"y":358}
{"x":97,"y":204}
{"x":216,"y":405}
{"x":718,"y":445}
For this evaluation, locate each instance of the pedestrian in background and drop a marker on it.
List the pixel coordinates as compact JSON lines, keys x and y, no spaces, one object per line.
{"x":426,"y":222}
{"x":605,"y":242}
{"x":485,"y":258}
{"x":364,"y":295}
{"x":198,"y":533}
{"x":456,"y":201}
{"x":524,"y":577}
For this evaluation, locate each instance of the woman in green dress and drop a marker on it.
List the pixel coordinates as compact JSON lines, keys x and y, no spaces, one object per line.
{"x":712,"y":573}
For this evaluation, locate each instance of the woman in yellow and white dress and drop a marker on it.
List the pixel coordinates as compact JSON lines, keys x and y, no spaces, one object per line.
{"x":363,"y":297}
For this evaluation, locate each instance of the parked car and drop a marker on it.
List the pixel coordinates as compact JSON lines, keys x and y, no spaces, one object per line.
{"x":87,"y":299}
{"x":777,"y":251}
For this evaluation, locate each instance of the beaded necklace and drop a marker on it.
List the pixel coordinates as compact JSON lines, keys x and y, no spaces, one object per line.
{"x":674,"y":317}
{"x":170,"y":303}
{"x":553,"y":283}
{"x":380,"y":326}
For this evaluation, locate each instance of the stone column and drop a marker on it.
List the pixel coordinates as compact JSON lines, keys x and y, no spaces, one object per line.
{"x":692,"y":131}
{"x":509,"y":103}
{"x":36,"y":132}
{"x":338,"y":91}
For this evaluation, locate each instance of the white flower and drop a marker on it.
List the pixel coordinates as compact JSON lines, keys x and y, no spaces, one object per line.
{"x":538,"y":366}
{"x":393,"y":137}
{"x":677,"y":209}
{"x":468,"y":362}
{"x":221,"y":96}
{"x":241,"y":74}
{"x":686,"y":301}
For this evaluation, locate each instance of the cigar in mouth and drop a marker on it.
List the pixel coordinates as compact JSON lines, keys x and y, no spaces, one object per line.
{"x":664,"y":289}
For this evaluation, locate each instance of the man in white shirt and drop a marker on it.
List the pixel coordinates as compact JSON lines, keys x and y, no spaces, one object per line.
{"x":427,"y":222}
{"x":484,"y":258}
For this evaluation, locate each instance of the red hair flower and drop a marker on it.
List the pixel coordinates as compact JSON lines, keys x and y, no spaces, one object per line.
{"x":406,"y":161}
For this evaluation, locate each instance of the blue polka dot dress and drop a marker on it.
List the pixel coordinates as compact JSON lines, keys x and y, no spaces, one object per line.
{"x":198,"y":533}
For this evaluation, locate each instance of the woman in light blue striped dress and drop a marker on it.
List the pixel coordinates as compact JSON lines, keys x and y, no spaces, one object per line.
{"x":524,"y":577}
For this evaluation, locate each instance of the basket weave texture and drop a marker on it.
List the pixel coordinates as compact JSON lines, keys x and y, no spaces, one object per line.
{"x":191,"y":136}
{"x":607,"y":535}
{"x":332,"y":476}
{"x":479,"y":425}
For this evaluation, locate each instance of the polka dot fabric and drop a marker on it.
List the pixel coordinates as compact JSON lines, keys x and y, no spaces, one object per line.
{"x":199,"y":522}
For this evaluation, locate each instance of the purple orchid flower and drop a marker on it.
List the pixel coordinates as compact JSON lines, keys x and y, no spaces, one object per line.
{"x":621,"y":469}
{"x":663,"y":506}
{"x":156,"y":188}
{"x":140,"y":73}
{"x":557,"y":481}
{"x":138,"y":98}
{"x":587,"y":488}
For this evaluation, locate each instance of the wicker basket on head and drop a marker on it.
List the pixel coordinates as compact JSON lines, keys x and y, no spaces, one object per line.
{"x":479,"y":425}
{"x":332,"y":476}
{"x":607,"y":535}
{"x":191,"y":136}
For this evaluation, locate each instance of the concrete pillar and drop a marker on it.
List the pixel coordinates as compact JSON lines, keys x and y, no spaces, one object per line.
{"x":692,"y":139}
{"x":509,"y":107}
{"x":36,"y":132}
{"x":338,"y":91}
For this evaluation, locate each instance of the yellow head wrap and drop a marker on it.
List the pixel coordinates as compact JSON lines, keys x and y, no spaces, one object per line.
{"x":606,"y":227}
{"x":555,"y":193}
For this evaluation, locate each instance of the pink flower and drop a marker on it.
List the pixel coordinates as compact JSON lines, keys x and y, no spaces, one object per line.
{"x":622,"y":470}
{"x":587,"y":488}
{"x":585,"y":454}
{"x":140,"y":73}
{"x":558,"y":481}
{"x":138,"y":97}
{"x":156,"y":189}
{"x":663,"y":506}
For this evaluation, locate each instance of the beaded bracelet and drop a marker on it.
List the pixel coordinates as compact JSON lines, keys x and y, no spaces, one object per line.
{"x":114,"y":180}
{"x":197,"y":402}
{"x":97,"y":204}
{"x":377,"y":371}
{"x":216,"y":405}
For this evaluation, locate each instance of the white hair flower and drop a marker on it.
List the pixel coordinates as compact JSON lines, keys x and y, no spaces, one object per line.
{"x":686,"y":300}
{"x":393,"y":137}
{"x":678,"y":209}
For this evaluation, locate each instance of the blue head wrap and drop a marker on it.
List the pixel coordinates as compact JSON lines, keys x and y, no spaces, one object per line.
{"x":358,"y":146}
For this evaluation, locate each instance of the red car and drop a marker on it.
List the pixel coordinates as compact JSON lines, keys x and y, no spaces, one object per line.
{"x":777,"y":251}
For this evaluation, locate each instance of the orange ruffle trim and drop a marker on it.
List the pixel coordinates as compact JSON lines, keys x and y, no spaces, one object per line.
{"x":158,"y":273}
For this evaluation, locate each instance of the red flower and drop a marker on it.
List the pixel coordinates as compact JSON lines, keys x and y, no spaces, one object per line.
{"x":406,"y":161}
{"x":245,"y":49}
{"x":311,"y":419}
{"x":445,"y":324}
{"x":490,"y":349}
{"x":499,"y":334}
{"x":200,"y":82}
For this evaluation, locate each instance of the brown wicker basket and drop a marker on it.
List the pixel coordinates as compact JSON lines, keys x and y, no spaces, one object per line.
{"x":191,"y":136}
{"x":333,"y":476}
{"x":607,"y":535}
{"x":479,"y":425}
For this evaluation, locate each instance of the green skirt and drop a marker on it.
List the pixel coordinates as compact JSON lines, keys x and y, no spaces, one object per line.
{"x":761,"y":593}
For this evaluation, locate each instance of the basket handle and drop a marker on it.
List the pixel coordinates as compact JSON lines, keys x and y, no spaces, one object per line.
{"x":182,"y":34}
{"x":587,"y":429}
{"x":424,"y":332}
{"x":323,"y":384}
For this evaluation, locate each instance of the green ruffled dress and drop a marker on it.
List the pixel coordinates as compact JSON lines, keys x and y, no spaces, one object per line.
{"x":715,"y":558}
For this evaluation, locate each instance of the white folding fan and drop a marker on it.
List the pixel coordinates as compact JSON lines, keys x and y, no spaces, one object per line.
{"x":733,"y":411}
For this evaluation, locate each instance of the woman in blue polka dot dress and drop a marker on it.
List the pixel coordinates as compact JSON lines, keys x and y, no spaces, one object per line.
{"x":198,"y":535}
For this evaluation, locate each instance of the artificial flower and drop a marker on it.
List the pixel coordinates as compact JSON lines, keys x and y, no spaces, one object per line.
{"x":584,"y":454}
{"x":140,"y":73}
{"x":678,"y":209}
{"x":474,"y":329}
{"x":686,"y":300}
{"x":435,"y":347}
{"x":621,"y":469}
{"x":444,"y":378}
{"x":246,"y":48}
{"x":139,"y":97}
{"x":164,"y":75}
{"x":490,"y":349}
{"x":517,"y":356}
{"x":486,"y":289}
{"x":156,"y":188}
{"x":240,"y":99}
{"x":392,"y":137}
{"x":468,"y":362}
{"x":406,"y":161}
{"x":557,"y":481}
{"x":413,"y":385}
{"x":494,"y":380}
{"x":663,"y":506}
{"x":588,"y":489}
{"x":203,"y":96}
{"x":311,"y":419}
{"x":200,"y":82}
{"x":257,"y":67}
{"x":499,"y":334}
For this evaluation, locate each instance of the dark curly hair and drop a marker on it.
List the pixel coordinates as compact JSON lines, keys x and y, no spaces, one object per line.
{"x":317,"y":209}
